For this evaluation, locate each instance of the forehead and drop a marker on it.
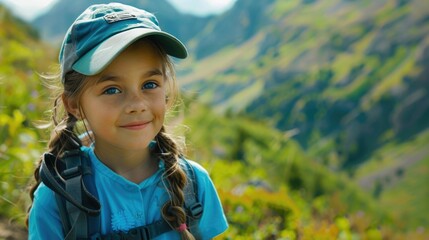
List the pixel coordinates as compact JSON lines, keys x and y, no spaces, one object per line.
{"x":142,"y":55}
{"x":144,"y":49}
{"x":145,"y":52}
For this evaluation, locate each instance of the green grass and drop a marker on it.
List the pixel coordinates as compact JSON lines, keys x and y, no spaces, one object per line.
{"x":399,"y":66}
{"x":390,"y":154}
{"x":411,"y":194}
{"x":244,"y":97}
{"x":405,"y":195}
{"x":207,"y":68}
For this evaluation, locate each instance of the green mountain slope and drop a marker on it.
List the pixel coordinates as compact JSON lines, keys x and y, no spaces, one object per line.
{"x":349,"y":71}
{"x":271,"y":188}
{"x":397,"y":175}
{"x":346,"y":78}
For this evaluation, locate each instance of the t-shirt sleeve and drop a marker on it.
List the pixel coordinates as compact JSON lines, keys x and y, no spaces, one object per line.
{"x":213,"y":221}
{"x":44,"y":220}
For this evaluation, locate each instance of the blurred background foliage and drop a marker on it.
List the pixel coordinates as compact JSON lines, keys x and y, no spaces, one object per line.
{"x":311,"y":116}
{"x":22,"y":103}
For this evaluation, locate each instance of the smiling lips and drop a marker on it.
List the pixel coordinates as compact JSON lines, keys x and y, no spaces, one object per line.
{"x":135,"y":125}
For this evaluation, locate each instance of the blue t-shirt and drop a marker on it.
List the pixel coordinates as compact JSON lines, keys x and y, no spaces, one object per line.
{"x":126,"y":205}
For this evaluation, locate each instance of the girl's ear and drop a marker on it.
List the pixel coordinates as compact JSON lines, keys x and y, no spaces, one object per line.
{"x":72,"y":106}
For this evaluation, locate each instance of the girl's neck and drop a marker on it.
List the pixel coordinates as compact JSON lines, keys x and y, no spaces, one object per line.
{"x":135,"y":166}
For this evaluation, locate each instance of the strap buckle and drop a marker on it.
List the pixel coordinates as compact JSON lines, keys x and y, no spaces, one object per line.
{"x":72,"y":172}
{"x":138,"y":233}
{"x":73,"y":163}
{"x":196,"y":210}
{"x":96,"y":236}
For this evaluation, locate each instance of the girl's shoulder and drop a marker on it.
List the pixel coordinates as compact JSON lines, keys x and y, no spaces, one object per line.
{"x":43,"y":193}
{"x":44,"y":200}
{"x":44,"y":219}
{"x":197,"y":167}
{"x":201,"y":174}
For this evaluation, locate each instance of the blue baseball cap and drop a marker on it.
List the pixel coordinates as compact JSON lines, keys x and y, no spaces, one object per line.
{"x":103,"y":31}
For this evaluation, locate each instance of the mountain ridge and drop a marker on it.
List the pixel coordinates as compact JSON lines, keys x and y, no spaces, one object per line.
{"x":54,"y":23}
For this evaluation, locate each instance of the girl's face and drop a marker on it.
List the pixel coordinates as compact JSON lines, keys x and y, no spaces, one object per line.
{"x":125,"y":108}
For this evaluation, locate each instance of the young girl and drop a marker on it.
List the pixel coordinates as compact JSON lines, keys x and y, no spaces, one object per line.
{"x":118,"y":82}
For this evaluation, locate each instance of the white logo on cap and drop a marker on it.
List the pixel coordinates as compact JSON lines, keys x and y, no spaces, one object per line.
{"x":116,"y":17}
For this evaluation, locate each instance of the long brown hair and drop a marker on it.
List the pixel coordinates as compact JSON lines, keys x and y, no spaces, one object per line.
{"x":64,"y":137}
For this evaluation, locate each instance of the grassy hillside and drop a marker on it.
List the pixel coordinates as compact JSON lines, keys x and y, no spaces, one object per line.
{"x":21,"y":102}
{"x":347,"y":79}
{"x":271,"y":188}
{"x":397,"y":175}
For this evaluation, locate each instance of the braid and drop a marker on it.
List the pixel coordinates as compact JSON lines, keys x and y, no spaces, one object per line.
{"x":63,"y":137}
{"x":173,"y":211}
{"x":62,"y":140}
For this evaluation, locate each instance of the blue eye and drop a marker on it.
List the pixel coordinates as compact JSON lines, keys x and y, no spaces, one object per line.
{"x":111,"y":91}
{"x":150,"y":85}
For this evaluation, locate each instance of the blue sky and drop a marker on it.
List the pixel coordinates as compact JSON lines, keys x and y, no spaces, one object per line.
{"x":29,"y":9}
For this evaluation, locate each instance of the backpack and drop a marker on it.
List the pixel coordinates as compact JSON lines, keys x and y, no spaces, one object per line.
{"x":70,"y":179}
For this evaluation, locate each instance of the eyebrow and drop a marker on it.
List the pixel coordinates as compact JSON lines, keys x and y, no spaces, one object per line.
{"x":153,"y":72}
{"x":148,"y":74}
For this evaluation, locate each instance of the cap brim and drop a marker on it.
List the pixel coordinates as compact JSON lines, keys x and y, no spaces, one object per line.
{"x":94,"y":61}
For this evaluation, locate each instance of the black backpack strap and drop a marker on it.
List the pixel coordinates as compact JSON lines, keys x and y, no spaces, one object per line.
{"x":63,"y":213}
{"x":193,"y":207}
{"x":76,"y":204}
{"x":73,"y":177}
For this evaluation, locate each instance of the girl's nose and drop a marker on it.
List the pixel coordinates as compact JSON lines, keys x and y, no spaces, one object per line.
{"x":136,"y":103}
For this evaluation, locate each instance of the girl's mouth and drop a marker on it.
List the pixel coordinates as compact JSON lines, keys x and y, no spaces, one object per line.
{"x":135,"y":125}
